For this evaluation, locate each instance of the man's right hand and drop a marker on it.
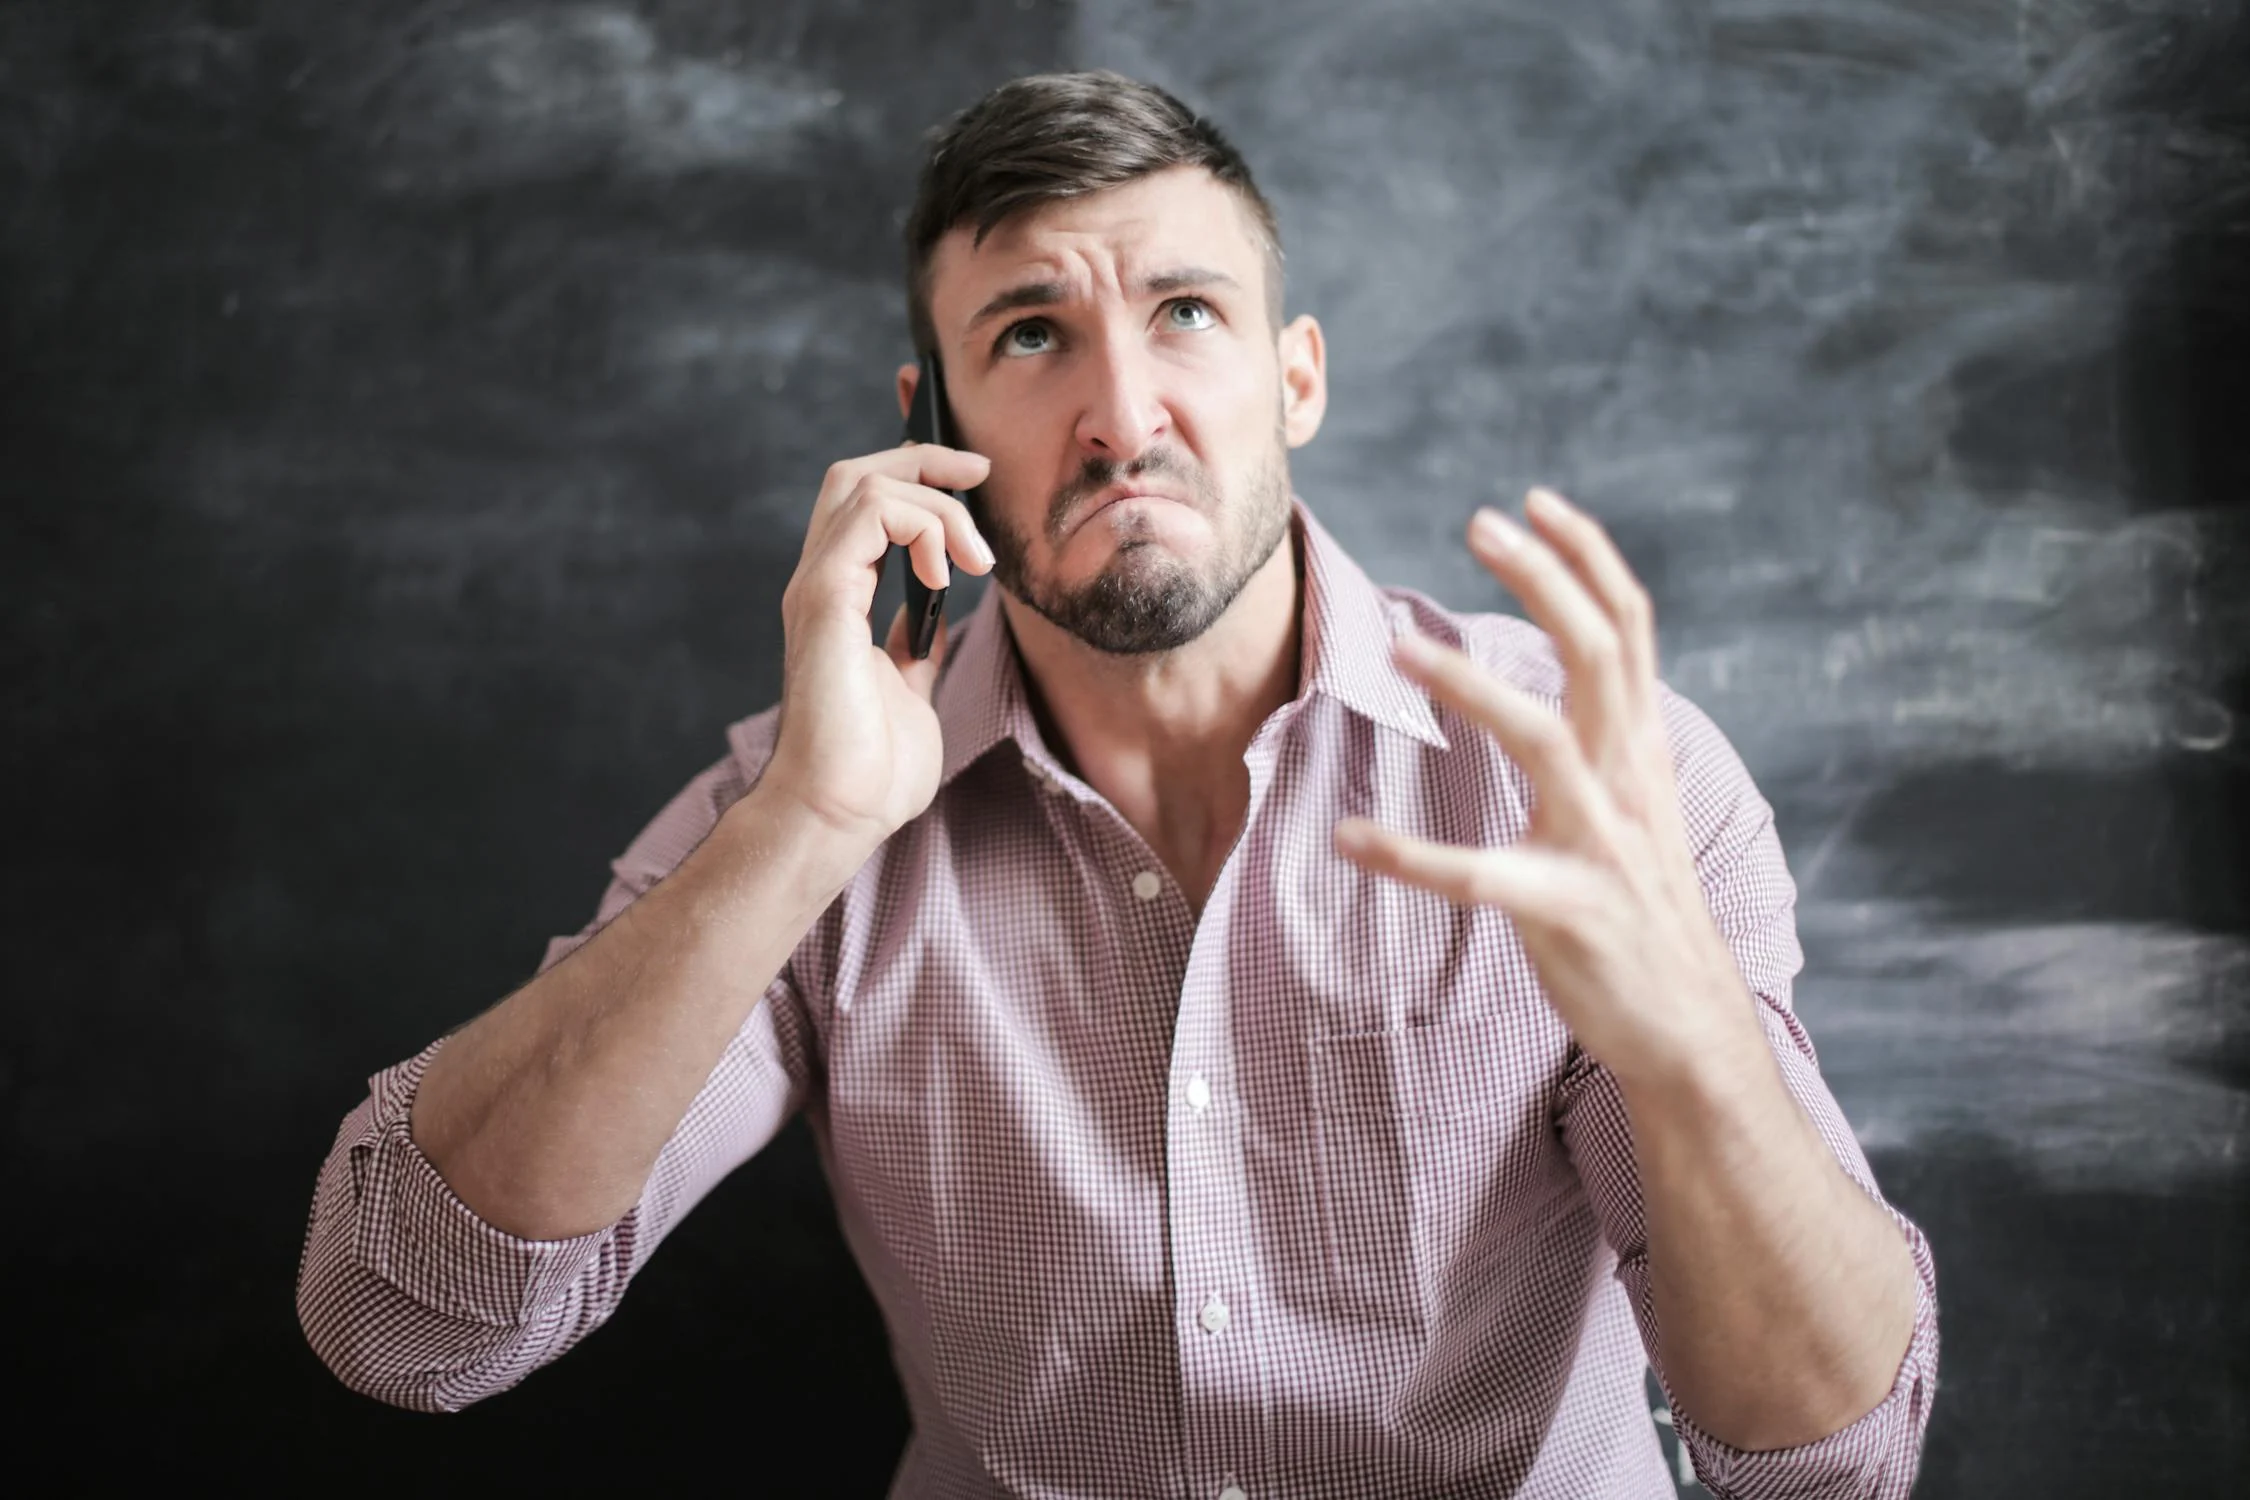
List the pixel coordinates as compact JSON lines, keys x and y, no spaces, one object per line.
{"x":546,"y":1114}
{"x":858,"y":744}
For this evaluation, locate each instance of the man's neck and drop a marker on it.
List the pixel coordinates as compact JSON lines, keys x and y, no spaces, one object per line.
{"x":1162,"y":736}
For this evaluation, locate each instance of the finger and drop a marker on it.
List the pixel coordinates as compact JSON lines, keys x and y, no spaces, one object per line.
{"x":962,"y":542}
{"x":849,"y":562}
{"x":957,"y":534}
{"x":1592,"y":653}
{"x":1585,"y":545}
{"x":932,"y":464}
{"x":925,"y":549}
{"x":927,"y":466}
{"x":1531,"y":884}
{"x":1532,"y":735}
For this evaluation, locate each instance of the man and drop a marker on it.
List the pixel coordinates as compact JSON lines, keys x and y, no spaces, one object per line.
{"x":1265,"y":1036}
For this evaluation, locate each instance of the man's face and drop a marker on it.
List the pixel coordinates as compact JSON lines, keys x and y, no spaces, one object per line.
{"x":1114,"y":358}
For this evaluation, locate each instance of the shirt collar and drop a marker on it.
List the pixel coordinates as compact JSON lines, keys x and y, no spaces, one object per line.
{"x":1345,"y":654}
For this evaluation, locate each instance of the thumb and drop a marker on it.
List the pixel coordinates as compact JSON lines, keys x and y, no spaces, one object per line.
{"x":921,"y":676}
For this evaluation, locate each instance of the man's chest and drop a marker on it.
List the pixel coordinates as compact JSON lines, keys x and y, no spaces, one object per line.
{"x":1323,"y":1084}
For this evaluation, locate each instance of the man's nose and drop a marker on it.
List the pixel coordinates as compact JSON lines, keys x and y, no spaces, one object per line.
{"x":1125,"y":412}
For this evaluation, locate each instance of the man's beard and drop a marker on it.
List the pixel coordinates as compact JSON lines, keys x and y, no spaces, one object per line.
{"x":1145,"y":600}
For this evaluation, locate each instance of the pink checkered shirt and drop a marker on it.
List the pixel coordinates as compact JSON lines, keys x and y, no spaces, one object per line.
{"x":1312,"y":1196}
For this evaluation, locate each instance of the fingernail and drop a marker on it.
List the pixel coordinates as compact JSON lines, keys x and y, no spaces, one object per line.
{"x":1547,"y":500}
{"x":1496,"y":530}
{"x":981,"y":548}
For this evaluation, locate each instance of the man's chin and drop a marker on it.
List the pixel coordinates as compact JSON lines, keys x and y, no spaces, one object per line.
{"x":1133,"y":611}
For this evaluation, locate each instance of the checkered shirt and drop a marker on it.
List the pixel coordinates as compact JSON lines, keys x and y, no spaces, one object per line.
{"x":1309,"y":1195}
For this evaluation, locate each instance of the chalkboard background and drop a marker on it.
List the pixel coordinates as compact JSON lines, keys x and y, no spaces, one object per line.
{"x":409,"y":416}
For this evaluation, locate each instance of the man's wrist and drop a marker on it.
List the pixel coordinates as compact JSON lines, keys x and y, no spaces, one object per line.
{"x":1705,"y":1069}
{"x":779,"y":838}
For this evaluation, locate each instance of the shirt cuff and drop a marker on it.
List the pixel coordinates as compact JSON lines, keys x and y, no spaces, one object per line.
{"x":1876,"y":1456}
{"x":412,"y":1231}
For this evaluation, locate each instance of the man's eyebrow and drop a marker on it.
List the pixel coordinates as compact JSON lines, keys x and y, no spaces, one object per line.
{"x":1186,"y":279}
{"x":1048,"y":293}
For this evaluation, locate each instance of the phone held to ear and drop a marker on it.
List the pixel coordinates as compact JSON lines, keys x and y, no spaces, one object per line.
{"x":928,"y":420}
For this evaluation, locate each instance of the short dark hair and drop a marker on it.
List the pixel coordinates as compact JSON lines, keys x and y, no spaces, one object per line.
{"x":1063,"y":135}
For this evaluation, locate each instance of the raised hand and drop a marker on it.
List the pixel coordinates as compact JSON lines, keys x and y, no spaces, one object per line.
{"x":1603,"y":890}
{"x":858,"y":742}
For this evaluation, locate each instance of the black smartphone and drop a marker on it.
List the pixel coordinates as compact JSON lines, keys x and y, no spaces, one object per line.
{"x":928,"y":420}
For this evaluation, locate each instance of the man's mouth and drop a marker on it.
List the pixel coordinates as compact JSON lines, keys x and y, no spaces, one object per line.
{"x":1120,"y":493}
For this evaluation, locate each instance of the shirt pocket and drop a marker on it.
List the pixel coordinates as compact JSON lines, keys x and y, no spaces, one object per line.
{"x":1435,"y":1145}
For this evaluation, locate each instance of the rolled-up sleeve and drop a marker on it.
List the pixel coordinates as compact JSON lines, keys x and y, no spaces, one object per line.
{"x":410,"y":1297}
{"x":1753,"y":899}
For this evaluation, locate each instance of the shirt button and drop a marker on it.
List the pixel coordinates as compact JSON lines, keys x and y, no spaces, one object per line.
{"x":1233,"y":1492}
{"x":1147,"y":884}
{"x":1198,"y":1093}
{"x":1214,"y":1315}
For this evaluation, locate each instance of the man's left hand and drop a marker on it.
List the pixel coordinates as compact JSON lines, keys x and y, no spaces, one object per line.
{"x":1603,"y":889}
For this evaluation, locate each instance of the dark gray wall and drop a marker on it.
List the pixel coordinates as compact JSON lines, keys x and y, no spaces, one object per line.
{"x":409,"y":413}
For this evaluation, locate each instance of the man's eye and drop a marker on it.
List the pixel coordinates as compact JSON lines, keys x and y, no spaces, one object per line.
{"x":1198,"y":313}
{"x":1031,"y":336}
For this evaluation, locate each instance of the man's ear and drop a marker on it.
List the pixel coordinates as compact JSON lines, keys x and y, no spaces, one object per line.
{"x":1304,"y":380}
{"x":909,"y":376}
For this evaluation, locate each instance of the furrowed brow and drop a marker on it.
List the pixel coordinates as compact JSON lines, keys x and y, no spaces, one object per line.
{"x":1186,"y":279}
{"x":1031,"y":294}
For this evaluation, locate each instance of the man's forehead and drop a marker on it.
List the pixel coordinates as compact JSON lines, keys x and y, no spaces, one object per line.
{"x":1181,"y":217}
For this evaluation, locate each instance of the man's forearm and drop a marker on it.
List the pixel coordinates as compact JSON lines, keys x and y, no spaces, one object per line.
{"x":1786,"y":1297}
{"x":546,"y":1114}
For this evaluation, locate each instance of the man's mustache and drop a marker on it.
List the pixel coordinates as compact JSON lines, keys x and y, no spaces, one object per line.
{"x":1098,"y":474}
